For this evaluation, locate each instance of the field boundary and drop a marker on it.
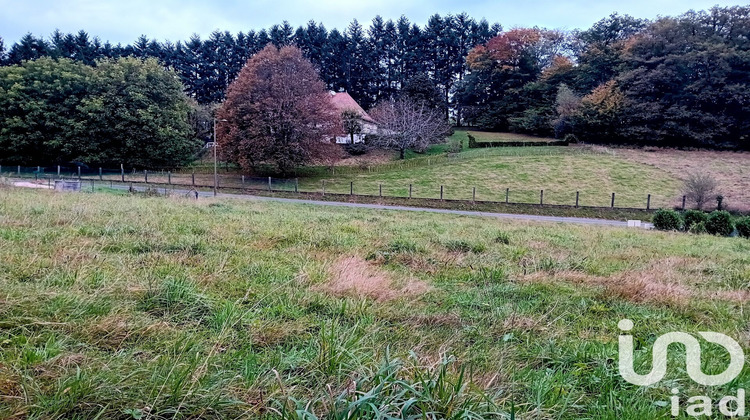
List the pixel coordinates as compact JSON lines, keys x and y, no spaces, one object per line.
{"x":271,"y":186}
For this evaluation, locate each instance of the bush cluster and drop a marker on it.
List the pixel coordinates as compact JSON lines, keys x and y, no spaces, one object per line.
{"x":667,"y":220}
{"x":718,"y":222}
{"x":743,"y":227}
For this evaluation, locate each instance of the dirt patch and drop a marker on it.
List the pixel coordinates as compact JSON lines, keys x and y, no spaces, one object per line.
{"x":354,"y":276}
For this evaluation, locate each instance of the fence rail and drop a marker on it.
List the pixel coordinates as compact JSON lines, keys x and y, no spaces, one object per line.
{"x":341,"y":188}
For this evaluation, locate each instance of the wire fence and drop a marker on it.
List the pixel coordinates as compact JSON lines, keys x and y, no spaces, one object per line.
{"x":627,"y":200}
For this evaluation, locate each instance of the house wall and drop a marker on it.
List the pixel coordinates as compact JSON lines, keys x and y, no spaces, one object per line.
{"x":367,"y":128}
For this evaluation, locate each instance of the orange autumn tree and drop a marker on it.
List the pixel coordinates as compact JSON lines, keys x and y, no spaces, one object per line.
{"x":500,"y":92}
{"x":277,"y":113}
{"x":538,"y":48}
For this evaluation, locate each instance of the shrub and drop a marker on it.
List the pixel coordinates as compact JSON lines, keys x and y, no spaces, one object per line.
{"x":472,"y":141}
{"x":720,"y":223}
{"x":698,"y":228}
{"x":570,"y":138}
{"x":356,"y":149}
{"x":454,"y":146}
{"x":743,"y":227}
{"x":693,"y":217}
{"x":700,"y":188}
{"x":667,"y":220}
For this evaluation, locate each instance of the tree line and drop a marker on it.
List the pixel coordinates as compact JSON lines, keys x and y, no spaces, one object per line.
{"x":370,"y":63}
{"x":123,"y":111}
{"x":673,"y":81}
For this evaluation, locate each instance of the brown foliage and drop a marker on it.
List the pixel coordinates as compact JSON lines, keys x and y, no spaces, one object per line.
{"x":606,"y":98}
{"x":278,"y":112}
{"x":509,"y":49}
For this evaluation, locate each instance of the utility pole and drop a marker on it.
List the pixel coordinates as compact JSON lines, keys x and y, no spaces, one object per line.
{"x":216,"y":173}
{"x":216,"y":146}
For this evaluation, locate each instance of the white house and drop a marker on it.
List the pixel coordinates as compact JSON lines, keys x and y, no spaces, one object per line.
{"x":342,"y":101}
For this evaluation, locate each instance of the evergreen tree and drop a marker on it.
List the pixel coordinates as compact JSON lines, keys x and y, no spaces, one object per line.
{"x":28,"y":48}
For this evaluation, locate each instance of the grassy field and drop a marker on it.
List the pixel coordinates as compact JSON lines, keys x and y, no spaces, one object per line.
{"x":559,"y":171}
{"x":731,"y":170}
{"x":487,"y":136}
{"x":150,"y":307}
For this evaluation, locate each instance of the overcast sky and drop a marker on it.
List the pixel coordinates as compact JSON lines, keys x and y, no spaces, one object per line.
{"x":125,"y":20}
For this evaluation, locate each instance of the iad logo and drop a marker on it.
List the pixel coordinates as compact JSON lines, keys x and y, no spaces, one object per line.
{"x":692,"y":357}
{"x":702,"y":405}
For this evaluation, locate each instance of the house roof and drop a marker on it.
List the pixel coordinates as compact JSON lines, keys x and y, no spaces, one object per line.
{"x":343,"y":101}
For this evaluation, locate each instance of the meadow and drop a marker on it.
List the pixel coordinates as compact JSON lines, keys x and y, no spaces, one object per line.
{"x":495,"y":137}
{"x":133,"y":307}
{"x":525,"y":171}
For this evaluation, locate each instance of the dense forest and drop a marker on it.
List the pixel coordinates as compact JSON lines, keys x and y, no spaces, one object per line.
{"x":681,"y":81}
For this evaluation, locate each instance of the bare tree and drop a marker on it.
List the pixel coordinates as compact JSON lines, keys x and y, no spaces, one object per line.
{"x":700,"y":188}
{"x":405,"y":124}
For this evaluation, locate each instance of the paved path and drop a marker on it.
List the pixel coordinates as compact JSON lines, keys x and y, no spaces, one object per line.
{"x":530,"y":217}
{"x":552,"y":219}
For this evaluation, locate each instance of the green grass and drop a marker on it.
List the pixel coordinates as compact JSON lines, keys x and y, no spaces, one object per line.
{"x":559,"y":171}
{"x":152,"y":307}
{"x":495,"y":137}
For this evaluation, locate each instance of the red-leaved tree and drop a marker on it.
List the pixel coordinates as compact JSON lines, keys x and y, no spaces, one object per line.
{"x":277,"y":113}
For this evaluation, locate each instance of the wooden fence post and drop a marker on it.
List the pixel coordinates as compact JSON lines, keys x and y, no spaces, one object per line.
{"x":351,"y":188}
{"x":441,"y":193}
{"x":324,"y":187}
{"x":269,"y":184}
{"x":541,"y":197}
{"x":193,"y":177}
{"x":683,"y":201}
{"x":648,"y":202}
{"x":100,"y":174}
{"x":122,"y":171}
{"x":409,"y":190}
{"x":79,"y":173}
{"x":296,"y":185}
{"x":243,"y":180}
{"x":145,"y":175}
{"x":577,"y":194}
{"x":169,"y":177}
{"x":381,"y":191}
{"x":613,"y":200}
{"x":507,"y":194}
{"x":474,"y":194}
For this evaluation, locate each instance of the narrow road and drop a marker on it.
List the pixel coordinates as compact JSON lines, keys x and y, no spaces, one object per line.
{"x":530,"y":217}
